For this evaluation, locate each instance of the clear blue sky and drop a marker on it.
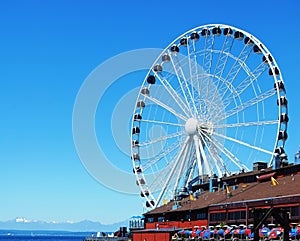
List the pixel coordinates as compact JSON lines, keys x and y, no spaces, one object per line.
{"x":48,"y":48}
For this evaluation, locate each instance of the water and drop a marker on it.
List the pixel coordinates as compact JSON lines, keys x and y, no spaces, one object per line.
{"x":40,"y":238}
{"x":13,"y":235}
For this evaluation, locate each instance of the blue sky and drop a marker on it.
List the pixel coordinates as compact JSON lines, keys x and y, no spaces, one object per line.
{"x":47,"y":50}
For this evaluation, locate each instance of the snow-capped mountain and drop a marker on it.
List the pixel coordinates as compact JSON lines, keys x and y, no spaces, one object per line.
{"x":21,"y":223}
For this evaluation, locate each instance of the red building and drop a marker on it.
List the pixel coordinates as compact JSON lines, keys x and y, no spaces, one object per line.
{"x":231,"y":202}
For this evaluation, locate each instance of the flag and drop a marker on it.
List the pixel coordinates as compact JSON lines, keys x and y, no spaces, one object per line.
{"x":192,"y":197}
{"x":165,"y":201}
{"x":227,"y":190}
{"x":274,"y":182}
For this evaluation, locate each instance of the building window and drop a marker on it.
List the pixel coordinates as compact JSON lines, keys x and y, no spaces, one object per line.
{"x":187,"y":216}
{"x":160,"y":219}
{"x":201,"y":216}
{"x":243,"y":214}
{"x":237,"y":215}
{"x":218,"y":216}
{"x":223,"y":217}
{"x":150,"y":220}
{"x":251,"y":215}
{"x":294,"y":211}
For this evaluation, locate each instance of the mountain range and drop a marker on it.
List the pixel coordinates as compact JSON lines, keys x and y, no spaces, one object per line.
{"x":82,"y":226}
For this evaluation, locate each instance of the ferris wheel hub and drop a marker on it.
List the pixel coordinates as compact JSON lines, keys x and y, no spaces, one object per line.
{"x":191,"y":126}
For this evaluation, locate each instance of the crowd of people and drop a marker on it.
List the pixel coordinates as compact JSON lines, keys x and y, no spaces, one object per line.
{"x":236,"y":233}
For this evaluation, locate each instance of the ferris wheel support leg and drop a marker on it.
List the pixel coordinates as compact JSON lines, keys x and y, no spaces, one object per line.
{"x":172,"y":172}
{"x":198,"y":156}
{"x":184,"y":157}
{"x":203,"y":156}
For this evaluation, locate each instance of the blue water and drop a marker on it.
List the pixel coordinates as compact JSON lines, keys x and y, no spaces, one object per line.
{"x":41,"y":238}
{"x":13,"y":235}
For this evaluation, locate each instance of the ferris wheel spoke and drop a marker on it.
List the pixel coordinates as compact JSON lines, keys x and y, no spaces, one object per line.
{"x":183,"y":106}
{"x":214,"y":106}
{"x":161,"y":138}
{"x":166,"y":107}
{"x":210,"y":154}
{"x":162,"y":122}
{"x":214,"y":155}
{"x":192,"y":61}
{"x":165,"y":152}
{"x":253,"y":76}
{"x":195,"y":70}
{"x":222,"y":59}
{"x":219,"y":160}
{"x":207,"y":60}
{"x":246,"y":124}
{"x":210,"y":54}
{"x":245,"y":83}
{"x":220,"y":67}
{"x":233,"y":72}
{"x":160,"y":178}
{"x":237,"y":66}
{"x":231,"y":157}
{"x":194,"y":109}
{"x":191,"y":65}
{"x":166,"y":183}
{"x":248,"y":104}
{"x":181,"y":78}
{"x":244,"y":143}
{"x":178,"y":72}
{"x":227,"y":153}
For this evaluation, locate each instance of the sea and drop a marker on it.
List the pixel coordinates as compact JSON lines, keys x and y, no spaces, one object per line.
{"x":32,"y":235}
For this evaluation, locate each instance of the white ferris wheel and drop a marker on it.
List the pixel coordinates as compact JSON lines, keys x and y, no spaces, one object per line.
{"x":213,"y":103}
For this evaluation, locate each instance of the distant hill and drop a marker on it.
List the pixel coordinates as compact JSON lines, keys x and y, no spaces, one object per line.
{"x":82,"y":226}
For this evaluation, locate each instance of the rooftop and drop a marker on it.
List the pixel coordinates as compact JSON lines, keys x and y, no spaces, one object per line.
{"x":288,"y":179}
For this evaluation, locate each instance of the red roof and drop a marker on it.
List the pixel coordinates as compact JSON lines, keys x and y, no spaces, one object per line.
{"x":288,"y":185}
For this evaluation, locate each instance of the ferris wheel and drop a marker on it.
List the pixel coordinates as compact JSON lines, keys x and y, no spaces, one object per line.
{"x":212,"y":104}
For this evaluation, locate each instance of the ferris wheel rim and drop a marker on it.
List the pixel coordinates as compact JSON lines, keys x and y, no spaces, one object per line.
{"x":270,"y":61}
